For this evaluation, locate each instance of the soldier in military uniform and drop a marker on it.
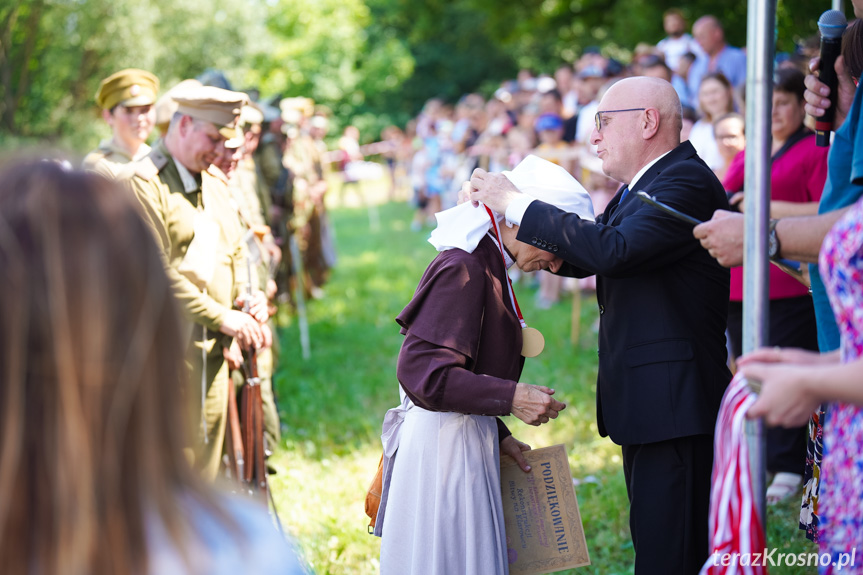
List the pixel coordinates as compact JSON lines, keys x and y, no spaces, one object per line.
{"x":166,"y":106}
{"x":189,"y":209}
{"x":241,"y":178}
{"x":277,"y":197}
{"x":321,"y":252}
{"x":126,"y":99}
{"x":302,"y":158}
{"x":318,"y":128}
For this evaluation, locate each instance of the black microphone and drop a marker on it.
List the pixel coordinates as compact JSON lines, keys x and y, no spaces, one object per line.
{"x":832,"y":25}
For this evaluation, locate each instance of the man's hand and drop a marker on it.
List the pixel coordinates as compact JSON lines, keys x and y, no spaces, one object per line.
{"x":493,"y":190}
{"x":273,"y":249}
{"x":722,"y":237}
{"x":513,"y":447}
{"x":817,"y":93}
{"x":233,"y":355}
{"x":258,"y":308}
{"x":464,"y":194}
{"x":268,"y":335}
{"x":534,"y":404}
{"x":272,"y":288}
{"x":737,"y":200}
{"x":242,"y":327}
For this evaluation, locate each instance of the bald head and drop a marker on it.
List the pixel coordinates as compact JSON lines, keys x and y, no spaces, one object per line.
{"x":648,"y":92}
{"x":709,"y":34}
{"x":639,"y":120}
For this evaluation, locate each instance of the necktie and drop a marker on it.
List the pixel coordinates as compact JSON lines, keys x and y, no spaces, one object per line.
{"x":623,"y":196}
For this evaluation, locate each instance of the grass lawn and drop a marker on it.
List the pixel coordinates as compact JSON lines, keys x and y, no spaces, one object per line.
{"x":332,"y":405}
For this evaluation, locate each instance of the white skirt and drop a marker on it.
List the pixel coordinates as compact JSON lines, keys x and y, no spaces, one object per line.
{"x":443,"y":508}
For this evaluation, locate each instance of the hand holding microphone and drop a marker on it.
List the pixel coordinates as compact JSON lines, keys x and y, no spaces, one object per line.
{"x":832,"y":25}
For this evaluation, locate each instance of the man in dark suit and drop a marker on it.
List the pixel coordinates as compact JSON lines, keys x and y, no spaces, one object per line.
{"x":662,"y":302}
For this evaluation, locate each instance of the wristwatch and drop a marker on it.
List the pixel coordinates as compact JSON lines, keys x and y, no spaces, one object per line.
{"x":773,"y":240}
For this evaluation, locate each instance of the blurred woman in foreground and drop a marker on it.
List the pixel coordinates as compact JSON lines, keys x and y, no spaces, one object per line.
{"x":93,"y":478}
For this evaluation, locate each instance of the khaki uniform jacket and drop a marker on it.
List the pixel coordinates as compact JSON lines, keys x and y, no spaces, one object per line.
{"x":246,"y":188}
{"x":299,"y":159}
{"x":109,"y":159}
{"x":171,"y":212}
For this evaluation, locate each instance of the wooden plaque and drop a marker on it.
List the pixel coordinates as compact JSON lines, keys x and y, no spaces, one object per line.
{"x":544,"y":533}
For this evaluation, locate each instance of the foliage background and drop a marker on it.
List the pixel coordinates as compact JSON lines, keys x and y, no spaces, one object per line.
{"x":373,"y":62}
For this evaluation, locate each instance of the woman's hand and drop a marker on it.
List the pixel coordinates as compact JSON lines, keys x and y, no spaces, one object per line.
{"x":534,"y":404}
{"x":786,"y":397}
{"x":513,"y":447}
{"x":787,"y":355}
{"x":788,"y":383}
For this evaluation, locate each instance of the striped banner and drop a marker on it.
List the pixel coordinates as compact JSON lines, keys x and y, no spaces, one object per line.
{"x":736,"y":535}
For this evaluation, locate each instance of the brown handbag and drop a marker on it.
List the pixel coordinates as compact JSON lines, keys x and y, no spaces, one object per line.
{"x":373,"y":496}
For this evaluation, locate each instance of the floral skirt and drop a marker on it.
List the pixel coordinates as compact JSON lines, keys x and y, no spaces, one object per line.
{"x":812,"y":477}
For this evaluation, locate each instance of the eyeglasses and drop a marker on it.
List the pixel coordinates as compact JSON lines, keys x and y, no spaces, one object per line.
{"x":598,"y":116}
{"x":724,"y":137}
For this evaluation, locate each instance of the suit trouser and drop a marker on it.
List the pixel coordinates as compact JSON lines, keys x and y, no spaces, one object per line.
{"x":668,"y":484}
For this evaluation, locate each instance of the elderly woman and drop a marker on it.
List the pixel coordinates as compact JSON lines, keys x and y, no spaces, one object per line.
{"x":798,"y":173}
{"x":464,"y":347}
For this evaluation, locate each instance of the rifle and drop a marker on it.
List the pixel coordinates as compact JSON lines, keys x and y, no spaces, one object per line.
{"x":252,"y":419}
{"x":234,"y":437}
{"x":246,"y":457}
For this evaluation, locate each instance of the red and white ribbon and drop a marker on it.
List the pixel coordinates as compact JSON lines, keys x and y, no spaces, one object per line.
{"x":736,"y":533}
{"x":509,"y":281}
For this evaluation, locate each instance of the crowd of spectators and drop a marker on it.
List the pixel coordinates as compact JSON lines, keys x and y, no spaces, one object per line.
{"x":552,"y":116}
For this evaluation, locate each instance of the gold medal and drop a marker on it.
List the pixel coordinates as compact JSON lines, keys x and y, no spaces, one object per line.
{"x":532,"y":342}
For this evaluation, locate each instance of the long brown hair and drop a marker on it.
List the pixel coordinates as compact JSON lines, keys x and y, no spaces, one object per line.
{"x":92,"y":425}
{"x":726,"y":84}
{"x":852,"y":49}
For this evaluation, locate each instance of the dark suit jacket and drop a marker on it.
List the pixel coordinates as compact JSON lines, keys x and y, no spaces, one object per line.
{"x":663,"y":301}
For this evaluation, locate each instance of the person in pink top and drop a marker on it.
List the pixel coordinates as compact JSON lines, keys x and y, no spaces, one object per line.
{"x":797,"y":179}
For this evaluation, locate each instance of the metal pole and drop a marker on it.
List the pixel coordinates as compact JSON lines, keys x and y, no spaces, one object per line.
{"x":837,"y":5}
{"x":759,"y":100}
{"x":300,"y":296}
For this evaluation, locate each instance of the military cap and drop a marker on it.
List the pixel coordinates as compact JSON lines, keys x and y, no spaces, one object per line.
{"x":215,"y":105}
{"x":236,"y":141}
{"x":294,"y":107}
{"x":292,"y":116}
{"x":320,"y":122}
{"x":251,"y":115}
{"x":129,"y":87}
{"x":166,"y":106}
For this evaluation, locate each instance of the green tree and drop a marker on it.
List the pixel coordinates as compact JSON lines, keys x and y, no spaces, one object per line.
{"x":372,"y":62}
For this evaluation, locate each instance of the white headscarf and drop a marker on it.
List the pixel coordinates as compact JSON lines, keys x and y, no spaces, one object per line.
{"x":464,"y":226}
